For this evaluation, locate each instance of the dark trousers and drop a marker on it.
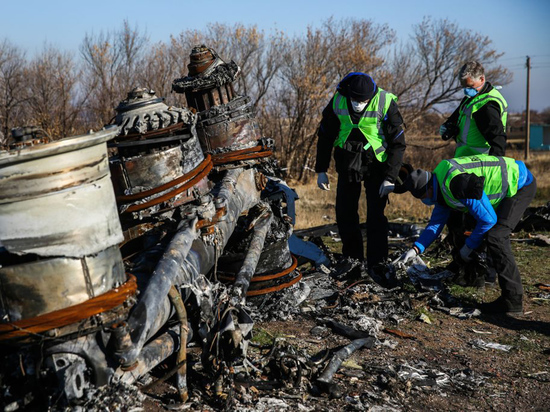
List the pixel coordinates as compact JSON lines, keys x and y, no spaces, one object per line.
{"x":347,"y":218}
{"x":509,"y":213}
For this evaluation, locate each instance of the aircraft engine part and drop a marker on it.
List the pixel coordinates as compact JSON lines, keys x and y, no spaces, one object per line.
{"x":143,"y":112}
{"x":178,"y":194}
{"x":275,"y":267}
{"x":57,"y":199}
{"x":158,"y":164}
{"x":229,"y":125}
{"x":210,"y":80}
{"x":186,"y":257}
{"x":226,"y":120}
{"x":60,"y":232}
{"x":70,"y":280}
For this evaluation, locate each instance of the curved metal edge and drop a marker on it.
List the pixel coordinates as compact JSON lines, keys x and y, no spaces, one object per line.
{"x":64,"y":145}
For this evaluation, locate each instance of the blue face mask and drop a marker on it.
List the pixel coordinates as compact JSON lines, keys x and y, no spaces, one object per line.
{"x":470,"y":91}
{"x":428,"y":201}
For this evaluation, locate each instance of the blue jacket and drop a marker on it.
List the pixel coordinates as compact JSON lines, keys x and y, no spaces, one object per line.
{"x":481,"y":210}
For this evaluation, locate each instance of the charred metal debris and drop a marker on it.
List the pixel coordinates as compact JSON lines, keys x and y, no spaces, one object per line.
{"x":146,"y":251}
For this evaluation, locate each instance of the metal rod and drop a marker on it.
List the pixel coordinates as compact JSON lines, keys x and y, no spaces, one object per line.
{"x":325,"y":380}
{"x":177,"y":301}
{"x":243,"y":278}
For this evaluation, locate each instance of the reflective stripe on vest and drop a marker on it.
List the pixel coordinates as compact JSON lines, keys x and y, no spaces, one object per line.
{"x":368,"y":119}
{"x":470,"y":141}
{"x":469,"y":164}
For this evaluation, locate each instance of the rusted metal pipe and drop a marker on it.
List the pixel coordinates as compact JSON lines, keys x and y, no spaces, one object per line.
{"x":151,"y":355}
{"x":177,"y":301}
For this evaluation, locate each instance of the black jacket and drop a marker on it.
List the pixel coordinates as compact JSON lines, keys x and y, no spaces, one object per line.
{"x":329,"y":129}
{"x":488,"y":122}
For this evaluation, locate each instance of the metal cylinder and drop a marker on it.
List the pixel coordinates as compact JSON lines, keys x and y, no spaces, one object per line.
{"x":226,"y":120}
{"x":59,"y":226}
{"x":158,"y":146}
{"x":57,"y":199}
{"x":46,"y":285}
{"x":228,"y":126}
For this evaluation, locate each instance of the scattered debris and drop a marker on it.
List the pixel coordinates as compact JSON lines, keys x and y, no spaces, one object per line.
{"x":535,"y":218}
{"x":481,"y":344}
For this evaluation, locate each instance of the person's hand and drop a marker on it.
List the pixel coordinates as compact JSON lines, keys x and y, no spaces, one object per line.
{"x":386,"y":188}
{"x":466,"y":253}
{"x":322,"y":181}
{"x":405,"y":257}
{"x":442,"y":129}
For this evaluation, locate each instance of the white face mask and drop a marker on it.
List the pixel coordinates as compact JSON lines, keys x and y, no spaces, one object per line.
{"x":358,"y":106}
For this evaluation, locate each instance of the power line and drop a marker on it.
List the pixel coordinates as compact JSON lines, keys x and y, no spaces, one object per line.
{"x":511,"y":58}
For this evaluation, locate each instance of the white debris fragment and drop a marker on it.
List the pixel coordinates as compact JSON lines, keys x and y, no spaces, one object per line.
{"x":481,"y":344}
{"x":424,"y":318}
{"x":482,"y":332}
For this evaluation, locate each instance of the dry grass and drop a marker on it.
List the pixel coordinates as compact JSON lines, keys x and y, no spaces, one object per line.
{"x":317,"y":207}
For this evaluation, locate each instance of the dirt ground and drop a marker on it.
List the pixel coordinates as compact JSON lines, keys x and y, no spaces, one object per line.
{"x":439,"y":363}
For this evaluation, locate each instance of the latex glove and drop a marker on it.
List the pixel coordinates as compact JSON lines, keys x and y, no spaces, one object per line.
{"x":466,"y":253}
{"x":322,"y":181}
{"x":442,"y":129}
{"x":386,"y":188}
{"x":405,"y":257}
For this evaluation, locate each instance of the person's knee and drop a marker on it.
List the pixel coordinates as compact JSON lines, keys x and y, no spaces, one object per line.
{"x":497,"y":235}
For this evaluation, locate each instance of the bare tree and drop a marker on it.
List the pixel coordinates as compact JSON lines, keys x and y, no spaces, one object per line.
{"x":158,"y":70}
{"x":54,"y":101}
{"x":12,"y":87}
{"x":424,"y":73}
{"x":110,"y":69}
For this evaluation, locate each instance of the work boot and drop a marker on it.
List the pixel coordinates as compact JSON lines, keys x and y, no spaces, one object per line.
{"x":509,"y":307}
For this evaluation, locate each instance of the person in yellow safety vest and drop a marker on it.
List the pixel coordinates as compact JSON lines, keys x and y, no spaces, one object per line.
{"x":479,"y":127}
{"x":363,"y":124}
{"x":494,"y":190}
{"x":479,"y":123}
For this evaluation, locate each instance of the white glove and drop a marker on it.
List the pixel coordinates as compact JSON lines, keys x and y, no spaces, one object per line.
{"x":405,"y":257}
{"x":386,"y":188}
{"x":465,"y":253}
{"x":322,"y":181}
{"x":442,"y":129}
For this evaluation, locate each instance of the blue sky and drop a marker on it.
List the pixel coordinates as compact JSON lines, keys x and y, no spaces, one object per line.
{"x":517,"y":28}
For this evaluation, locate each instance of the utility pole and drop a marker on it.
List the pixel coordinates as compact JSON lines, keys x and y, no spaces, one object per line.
{"x":528,"y":113}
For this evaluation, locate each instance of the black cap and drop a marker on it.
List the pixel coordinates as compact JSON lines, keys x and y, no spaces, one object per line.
{"x":361,"y":87}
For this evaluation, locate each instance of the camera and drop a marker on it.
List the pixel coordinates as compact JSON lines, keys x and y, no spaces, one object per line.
{"x":451,"y":132}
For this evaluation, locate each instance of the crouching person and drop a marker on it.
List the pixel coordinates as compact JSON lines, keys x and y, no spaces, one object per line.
{"x":495,"y":191}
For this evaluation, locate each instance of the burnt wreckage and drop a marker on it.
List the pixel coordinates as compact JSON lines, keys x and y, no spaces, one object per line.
{"x":119,"y":247}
